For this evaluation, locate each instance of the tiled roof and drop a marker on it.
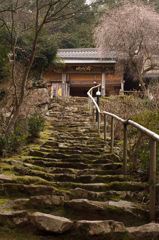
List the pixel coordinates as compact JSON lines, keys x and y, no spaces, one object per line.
{"x":84,"y":53}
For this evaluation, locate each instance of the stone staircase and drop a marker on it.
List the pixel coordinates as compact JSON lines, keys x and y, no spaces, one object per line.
{"x":71,"y":187}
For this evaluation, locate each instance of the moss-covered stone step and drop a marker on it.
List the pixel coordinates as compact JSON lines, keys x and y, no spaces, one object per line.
{"x":72,"y":151}
{"x":82,"y":172}
{"x":83,"y":159}
{"x":108,"y":195}
{"x":103,"y":187}
{"x":90,"y":178}
{"x":22,"y":190}
{"x":91,"y":143}
{"x":70,"y":177}
{"x":73,"y":138}
{"x":72,"y":125}
{"x":70,"y":148}
{"x":123,"y":211}
{"x":73,"y":156}
{"x":76,"y":165}
{"x":60,"y":155}
{"x":88,"y":161}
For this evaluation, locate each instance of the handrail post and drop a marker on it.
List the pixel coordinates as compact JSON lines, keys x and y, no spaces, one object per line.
{"x":99,"y":123}
{"x":105,"y":127}
{"x":93,"y":112}
{"x":89,"y":103}
{"x":152,"y":178}
{"x":112,"y":135}
{"x":90,"y":106}
{"x":125,"y":151}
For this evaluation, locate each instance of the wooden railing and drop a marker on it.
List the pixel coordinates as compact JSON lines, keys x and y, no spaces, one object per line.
{"x":153,"y":139}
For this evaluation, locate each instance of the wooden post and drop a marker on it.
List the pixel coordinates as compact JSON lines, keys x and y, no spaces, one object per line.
{"x":90,"y":107}
{"x":99,"y":123}
{"x":112,"y":135}
{"x":105,"y":127}
{"x":63,"y":84}
{"x":93,"y":112}
{"x":152,"y":178}
{"x":89,"y":103}
{"x":103,"y":85}
{"x":125,"y":151}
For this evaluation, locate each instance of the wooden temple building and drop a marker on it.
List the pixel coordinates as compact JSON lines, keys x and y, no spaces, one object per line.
{"x":81,"y":70}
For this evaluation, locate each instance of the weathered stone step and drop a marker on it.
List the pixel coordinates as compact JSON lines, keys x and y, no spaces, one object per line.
{"x":90,"y":178}
{"x":68,"y":125}
{"x":71,"y":151}
{"x":75,"y":156}
{"x":105,"y":196}
{"x":103,"y":187}
{"x":73,"y":138}
{"x":82,"y":172}
{"x":90,"y":144}
{"x":83,"y":160}
{"x":58,"y":155}
{"x":76,"y":165}
{"x":123,"y":211}
{"x":71,"y":177}
{"x":22,"y":190}
{"x":69,"y":146}
{"x":67,"y":119}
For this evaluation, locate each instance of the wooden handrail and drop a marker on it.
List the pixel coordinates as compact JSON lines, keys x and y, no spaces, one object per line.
{"x":90,"y":95}
{"x":153,"y":139}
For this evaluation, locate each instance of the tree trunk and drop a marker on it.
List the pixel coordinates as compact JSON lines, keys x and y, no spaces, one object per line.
{"x":13,"y":119}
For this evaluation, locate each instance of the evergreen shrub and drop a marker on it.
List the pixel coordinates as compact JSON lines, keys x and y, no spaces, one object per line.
{"x":11,"y":142}
{"x":35,"y":124}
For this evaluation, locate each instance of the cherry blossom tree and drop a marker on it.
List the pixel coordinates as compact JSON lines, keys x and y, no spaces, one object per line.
{"x":132,"y":33}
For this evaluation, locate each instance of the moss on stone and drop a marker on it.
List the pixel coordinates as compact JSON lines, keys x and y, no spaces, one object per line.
{"x":31,"y":180}
{"x":34,"y":167}
{"x":3,"y":201}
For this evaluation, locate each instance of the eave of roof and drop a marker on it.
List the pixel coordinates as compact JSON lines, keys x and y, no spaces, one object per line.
{"x":74,"y":61}
{"x":85,"y":54}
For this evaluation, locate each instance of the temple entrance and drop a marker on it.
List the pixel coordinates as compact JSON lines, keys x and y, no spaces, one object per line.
{"x":82,"y":70}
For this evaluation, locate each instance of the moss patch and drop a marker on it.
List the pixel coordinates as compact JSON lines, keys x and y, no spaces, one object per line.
{"x":31,"y":180}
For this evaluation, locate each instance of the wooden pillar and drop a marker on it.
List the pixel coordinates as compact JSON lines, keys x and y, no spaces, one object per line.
{"x":103,"y":85}
{"x":63,"y":84}
{"x":52,"y":89}
{"x":99,"y":116}
{"x":68,"y":89}
{"x":152,"y":178}
{"x":105,"y":127}
{"x":112,"y":135}
{"x":95,"y":80}
{"x":122,"y":84}
{"x":125,"y":151}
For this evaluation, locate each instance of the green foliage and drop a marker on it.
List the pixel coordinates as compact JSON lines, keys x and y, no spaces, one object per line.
{"x":45,"y":55}
{"x":35,"y":124}
{"x":77,"y":32}
{"x":139,"y":144}
{"x":11,"y":142}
